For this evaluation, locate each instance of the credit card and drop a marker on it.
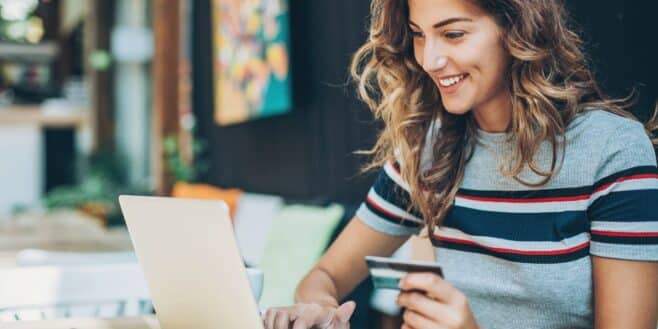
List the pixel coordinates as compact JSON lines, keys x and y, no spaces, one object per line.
{"x":387,"y":272}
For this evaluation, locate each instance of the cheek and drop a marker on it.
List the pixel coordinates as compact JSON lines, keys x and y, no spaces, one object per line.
{"x":492,"y":62}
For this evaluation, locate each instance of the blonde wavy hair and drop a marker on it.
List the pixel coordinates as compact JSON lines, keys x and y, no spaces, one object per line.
{"x":550,"y":83}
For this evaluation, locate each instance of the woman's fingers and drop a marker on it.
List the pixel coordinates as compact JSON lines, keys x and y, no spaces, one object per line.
{"x":421,"y":304}
{"x":268,"y":318}
{"x":282,"y":320}
{"x":417,"y":321}
{"x":343,"y":315}
{"x":311,"y":315}
{"x":428,"y":296}
{"x":306,"y":316}
{"x":345,"y":311}
{"x":274,"y":317}
{"x":430,"y":283}
{"x":326,"y":318}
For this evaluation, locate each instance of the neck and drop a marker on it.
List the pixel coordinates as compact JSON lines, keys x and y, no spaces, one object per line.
{"x":494,"y":116}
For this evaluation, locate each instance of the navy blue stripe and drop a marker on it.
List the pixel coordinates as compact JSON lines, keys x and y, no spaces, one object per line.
{"x":555,"y":226}
{"x":389,"y":218}
{"x":528,"y":194}
{"x":625,"y":240}
{"x":626,"y":206}
{"x":536,"y":259}
{"x":393,"y":193}
{"x":558,"y":192}
{"x":628,"y":172}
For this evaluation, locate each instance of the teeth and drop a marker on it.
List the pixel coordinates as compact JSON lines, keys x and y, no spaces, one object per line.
{"x":451,"y":81}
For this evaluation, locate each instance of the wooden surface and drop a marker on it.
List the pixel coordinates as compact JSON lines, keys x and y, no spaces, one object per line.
{"x":166,"y":69}
{"x":98,"y":24}
{"x":35,"y":115}
{"x":62,"y":230}
{"x":127,"y":323}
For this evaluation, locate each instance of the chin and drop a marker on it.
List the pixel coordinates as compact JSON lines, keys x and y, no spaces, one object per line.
{"x":457,"y":109}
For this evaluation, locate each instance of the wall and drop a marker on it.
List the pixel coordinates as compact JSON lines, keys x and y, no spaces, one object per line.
{"x":305,"y":154}
{"x":621,"y":40}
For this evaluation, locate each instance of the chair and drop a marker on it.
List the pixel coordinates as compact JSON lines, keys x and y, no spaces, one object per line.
{"x":50,"y":292}
{"x":205,"y":191}
{"x":298,"y":237}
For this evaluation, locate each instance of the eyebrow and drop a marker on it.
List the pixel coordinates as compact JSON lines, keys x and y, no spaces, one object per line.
{"x":445,"y":22}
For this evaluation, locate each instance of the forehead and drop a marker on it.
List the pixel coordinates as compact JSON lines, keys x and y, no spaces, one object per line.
{"x":428,"y":12}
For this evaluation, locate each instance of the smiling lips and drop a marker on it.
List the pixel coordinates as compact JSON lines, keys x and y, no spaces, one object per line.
{"x":451,"y":84}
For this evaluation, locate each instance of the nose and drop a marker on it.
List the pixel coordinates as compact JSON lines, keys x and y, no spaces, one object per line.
{"x":435,"y":63}
{"x":435,"y":60}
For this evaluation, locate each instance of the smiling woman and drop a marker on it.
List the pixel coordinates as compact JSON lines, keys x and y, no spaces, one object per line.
{"x":511,"y":66}
{"x":539,"y":192}
{"x":451,"y":48}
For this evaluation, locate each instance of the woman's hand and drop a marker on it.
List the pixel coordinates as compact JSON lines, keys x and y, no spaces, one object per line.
{"x":307,"y":316}
{"x":430,"y":302}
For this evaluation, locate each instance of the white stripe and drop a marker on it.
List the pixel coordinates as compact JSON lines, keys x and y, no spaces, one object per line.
{"x":516,"y":245}
{"x":629,"y":227}
{"x":387,"y":272}
{"x":393,"y":174}
{"x":522,"y":207}
{"x":383,"y":225}
{"x":629,"y":185}
{"x":391,"y":207}
{"x":556,"y":206}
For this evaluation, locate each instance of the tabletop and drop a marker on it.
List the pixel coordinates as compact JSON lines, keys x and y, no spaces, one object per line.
{"x":147,"y":322}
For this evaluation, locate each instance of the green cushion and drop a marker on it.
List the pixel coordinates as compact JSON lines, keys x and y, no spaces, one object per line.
{"x":298,"y":237}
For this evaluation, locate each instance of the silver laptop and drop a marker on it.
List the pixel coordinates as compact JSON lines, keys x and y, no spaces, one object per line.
{"x":191,"y":261}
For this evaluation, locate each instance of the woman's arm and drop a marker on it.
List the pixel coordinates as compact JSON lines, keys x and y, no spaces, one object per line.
{"x":337,"y":273}
{"x":625,"y":293}
{"x":343,"y":266}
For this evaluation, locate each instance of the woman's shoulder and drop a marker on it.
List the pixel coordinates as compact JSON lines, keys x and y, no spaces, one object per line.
{"x":619,"y":141}
{"x":603,"y":119}
{"x":603,"y":125}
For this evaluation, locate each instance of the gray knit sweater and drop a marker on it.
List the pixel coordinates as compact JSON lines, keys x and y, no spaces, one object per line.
{"x":523,"y":255}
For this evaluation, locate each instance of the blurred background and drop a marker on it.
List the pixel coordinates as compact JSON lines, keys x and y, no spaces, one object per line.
{"x":246,"y":101}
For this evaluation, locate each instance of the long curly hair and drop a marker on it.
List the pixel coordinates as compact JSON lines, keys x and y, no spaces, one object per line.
{"x":550,"y":84}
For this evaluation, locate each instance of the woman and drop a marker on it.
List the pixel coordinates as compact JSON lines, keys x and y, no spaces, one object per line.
{"x":541,"y":192}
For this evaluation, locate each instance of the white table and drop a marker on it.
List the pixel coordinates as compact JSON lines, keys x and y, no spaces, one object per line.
{"x":147,"y":322}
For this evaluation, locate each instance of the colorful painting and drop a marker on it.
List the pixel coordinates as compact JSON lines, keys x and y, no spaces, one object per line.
{"x":251,"y":64}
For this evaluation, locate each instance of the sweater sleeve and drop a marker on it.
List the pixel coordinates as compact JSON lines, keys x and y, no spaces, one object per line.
{"x":387,"y":206}
{"x":623,"y":208}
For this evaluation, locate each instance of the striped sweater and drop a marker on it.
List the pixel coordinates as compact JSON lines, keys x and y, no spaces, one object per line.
{"x":522,"y":254}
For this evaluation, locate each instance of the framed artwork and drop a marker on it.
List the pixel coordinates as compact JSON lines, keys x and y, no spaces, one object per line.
{"x":251,"y":59}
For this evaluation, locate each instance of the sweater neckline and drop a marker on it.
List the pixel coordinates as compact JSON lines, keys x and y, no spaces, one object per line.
{"x":502,"y":138}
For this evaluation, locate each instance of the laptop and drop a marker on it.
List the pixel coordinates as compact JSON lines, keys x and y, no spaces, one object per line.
{"x":189,"y":255}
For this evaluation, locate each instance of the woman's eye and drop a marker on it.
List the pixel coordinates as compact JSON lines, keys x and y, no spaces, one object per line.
{"x":454,"y":34}
{"x":416,"y":34}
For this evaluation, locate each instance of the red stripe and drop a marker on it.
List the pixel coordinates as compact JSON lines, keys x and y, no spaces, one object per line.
{"x":395,"y":168}
{"x":623,"y":179}
{"x":626,"y":234}
{"x":386,"y":212}
{"x":558,"y":199}
{"x":535,"y":200}
{"x":516,"y":251}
